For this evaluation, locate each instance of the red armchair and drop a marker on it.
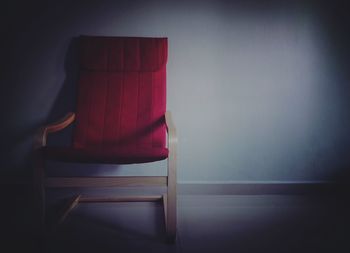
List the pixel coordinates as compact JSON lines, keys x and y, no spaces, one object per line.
{"x":120,"y":118}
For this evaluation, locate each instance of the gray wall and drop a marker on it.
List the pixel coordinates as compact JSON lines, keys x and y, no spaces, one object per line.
{"x":259,"y":91}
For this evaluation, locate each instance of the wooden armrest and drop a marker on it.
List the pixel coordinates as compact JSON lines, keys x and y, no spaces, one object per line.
{"x":40,"y":140}
{"x":170,"y":126}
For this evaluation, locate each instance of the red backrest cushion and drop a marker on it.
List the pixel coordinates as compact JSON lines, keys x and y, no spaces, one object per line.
{"x":122,"y":92}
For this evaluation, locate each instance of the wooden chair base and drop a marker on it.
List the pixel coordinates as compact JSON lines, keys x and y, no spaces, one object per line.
{"x":168,"y":199}
{"x":74,"y":201}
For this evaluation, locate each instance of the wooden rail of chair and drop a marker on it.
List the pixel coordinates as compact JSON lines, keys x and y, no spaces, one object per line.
{"x":41,"y":137}
{"x":120,"y":181}
{"x":169,"y":200}
{"x":138,"y":198}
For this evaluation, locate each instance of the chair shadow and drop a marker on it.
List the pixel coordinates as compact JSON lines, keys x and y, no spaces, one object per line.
{"x":93,"y":230}
{"x":66,"y":99}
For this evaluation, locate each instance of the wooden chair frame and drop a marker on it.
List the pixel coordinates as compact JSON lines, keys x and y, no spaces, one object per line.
{"x":168,"y":199}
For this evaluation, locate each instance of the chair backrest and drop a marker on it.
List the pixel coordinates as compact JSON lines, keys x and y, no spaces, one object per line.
{"x":122,"y":92}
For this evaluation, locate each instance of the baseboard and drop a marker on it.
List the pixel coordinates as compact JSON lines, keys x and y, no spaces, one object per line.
{"x":258,"y":188}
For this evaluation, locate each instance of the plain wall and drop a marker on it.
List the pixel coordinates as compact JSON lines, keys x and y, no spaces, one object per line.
{"x":259,"y":90}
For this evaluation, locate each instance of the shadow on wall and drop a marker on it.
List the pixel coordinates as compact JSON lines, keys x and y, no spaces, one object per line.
{"x":17,"y":142}
{"x":66,"y":99}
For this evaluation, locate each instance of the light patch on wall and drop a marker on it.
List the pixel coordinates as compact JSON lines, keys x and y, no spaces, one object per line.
{"x":257,"y":105}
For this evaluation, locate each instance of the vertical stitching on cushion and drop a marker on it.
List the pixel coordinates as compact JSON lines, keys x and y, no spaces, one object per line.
{"x":121,"y":105}
{"x":105,"y":111}
{"x":104,"y":44}
{"x":138,"y":105}
{"x":119,"y":127}
{"x":139,"y":54}
{"x":108,"y":48}
{"x":138,"y":48}
{"x":157,"y":42}
{"x":88,"y":115}
{"x":122,"y":56}
{"x":152,"y":107}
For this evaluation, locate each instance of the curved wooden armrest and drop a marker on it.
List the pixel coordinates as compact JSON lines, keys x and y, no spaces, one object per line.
{"x":40,"y":140}
{"x":170,"y":126}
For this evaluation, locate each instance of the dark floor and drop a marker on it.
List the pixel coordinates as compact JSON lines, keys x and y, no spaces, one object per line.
{"x":206,"y":223}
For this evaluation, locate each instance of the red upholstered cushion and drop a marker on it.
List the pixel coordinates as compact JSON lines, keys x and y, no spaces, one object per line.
{"x":113,"y":154}
{"x":121,"y":100}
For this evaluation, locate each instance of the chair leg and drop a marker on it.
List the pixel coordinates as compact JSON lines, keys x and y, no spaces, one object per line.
{"x":70,"y":205}
{"x":170,"y":199}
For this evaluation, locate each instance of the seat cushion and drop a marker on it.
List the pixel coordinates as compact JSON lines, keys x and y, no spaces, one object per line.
{"x":111,"y":155}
